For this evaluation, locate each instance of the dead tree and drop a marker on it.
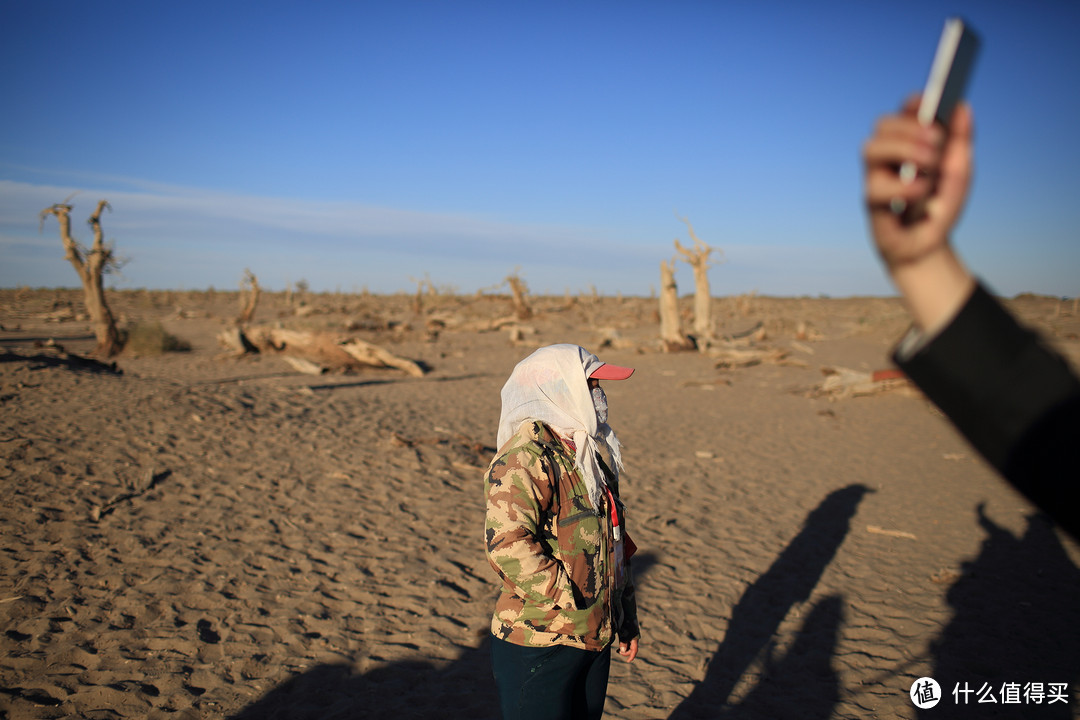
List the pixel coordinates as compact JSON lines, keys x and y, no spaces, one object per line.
{"x":422,"y":287}
{"x":521,"y":300}
{"x":91,"y":265}
{"x":698,"y":258}
{"x":671,"y":335}
{"x":249,"y":291}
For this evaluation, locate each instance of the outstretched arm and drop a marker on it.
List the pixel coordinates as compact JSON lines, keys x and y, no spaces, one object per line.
{"x":931,"y":278}
{"x":1015,"y":399}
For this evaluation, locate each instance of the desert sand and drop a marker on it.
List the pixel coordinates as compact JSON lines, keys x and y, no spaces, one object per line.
{"x":204,"y":535}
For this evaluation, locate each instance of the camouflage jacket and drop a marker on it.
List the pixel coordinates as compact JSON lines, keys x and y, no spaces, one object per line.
{"x":553,"y":551}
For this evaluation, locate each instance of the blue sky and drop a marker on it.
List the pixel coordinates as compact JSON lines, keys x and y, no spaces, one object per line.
{"x":370,"y":144}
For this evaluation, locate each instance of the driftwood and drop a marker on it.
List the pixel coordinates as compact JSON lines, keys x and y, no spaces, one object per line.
{"x":874,"y":529}
{"x":303,"y":366}
{"x":493,"y":325}
{"x":521,"y":334}
{"x":611,"y":338}
{"x":803,"y":331}
{"x":234,"y":340}
{"x":735,"y":357}
{"x":757,"y":332}
{"x":432,"y":327}
{"x":314,"y":352}
{"x":368,"y":354}
{"x":844,"y":382}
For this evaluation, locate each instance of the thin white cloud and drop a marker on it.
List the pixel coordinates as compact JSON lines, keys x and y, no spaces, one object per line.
{"x":339,"y":242}
{"x":20,"y":203}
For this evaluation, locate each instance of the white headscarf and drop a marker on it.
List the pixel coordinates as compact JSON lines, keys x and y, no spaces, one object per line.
{"x":552,"y":386}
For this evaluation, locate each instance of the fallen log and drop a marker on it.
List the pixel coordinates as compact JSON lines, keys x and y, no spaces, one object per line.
{"x":314,"y":352}
{"x":844,"y":382}
{"x":375,"y":356}
{"x":233,"y":339}
{"x":304,"y":366}
{"x":732,"y":357}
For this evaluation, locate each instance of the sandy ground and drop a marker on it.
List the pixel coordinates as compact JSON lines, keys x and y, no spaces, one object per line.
{"x":206,"y":536}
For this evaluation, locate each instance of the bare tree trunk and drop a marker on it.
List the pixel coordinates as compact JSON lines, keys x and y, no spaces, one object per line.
{"x":521,"y":301}
{"x":423,"y":287}
{"x":249,"y":285}
{"x":91,"y":267}
{"x":418,"y":298}
{"x":671,"y":334}
{"x":698,"y":258}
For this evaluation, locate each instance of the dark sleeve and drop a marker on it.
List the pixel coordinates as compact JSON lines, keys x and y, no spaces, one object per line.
{"x":628,"y":629}
{"x":1013,"y":398}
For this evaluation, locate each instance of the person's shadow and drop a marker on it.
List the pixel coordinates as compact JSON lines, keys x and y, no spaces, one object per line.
{"x":803,"y":677}
{"x":411,"y":689}
{"x":404,"y":690}
{"x":1016,"y":621}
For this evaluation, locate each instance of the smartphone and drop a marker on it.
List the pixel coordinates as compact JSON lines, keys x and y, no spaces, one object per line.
{"x":949,"y":74}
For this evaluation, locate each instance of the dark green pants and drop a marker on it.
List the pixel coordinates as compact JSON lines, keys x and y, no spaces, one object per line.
{"x":550,"y":683}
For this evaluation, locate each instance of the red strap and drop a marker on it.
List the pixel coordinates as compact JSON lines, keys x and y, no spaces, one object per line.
{"x":614,"y":510}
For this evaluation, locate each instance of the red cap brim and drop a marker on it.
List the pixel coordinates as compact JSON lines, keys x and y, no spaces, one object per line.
{"x":608,"y":371}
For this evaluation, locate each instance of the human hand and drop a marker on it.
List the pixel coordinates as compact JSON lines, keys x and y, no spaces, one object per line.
{"x":628,"y":650}
{"x":916,"y":251}
{"x":944,"y":161}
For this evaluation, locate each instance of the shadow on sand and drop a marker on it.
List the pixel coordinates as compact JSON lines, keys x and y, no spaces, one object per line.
{"x":64,"y":360}
{"x":413,"y":690}
{"x":1016,"y":620}
{"x":404,"y":690}
{"x":803,"y":677}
